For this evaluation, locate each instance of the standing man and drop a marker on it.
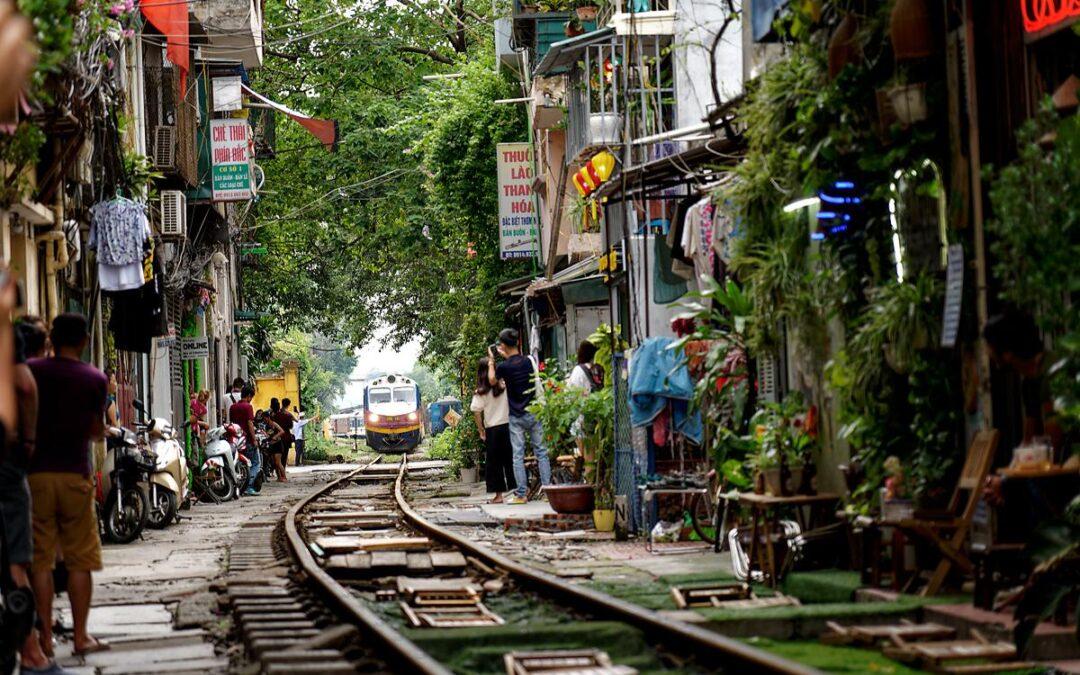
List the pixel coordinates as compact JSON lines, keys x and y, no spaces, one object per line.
{"x":298,"y":437}
{"x":71,"y":414}
{"x":520,"y":376}
{"x":242,"y":414}
{"x":232,"y":396}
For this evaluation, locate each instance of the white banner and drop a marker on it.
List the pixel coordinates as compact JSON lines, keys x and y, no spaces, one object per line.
{"x":518,"y":233}
{"x":230,"y":156}
{"x":226,"y":93}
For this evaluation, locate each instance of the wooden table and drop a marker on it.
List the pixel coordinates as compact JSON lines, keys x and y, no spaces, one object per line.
{"x":765,"y":518}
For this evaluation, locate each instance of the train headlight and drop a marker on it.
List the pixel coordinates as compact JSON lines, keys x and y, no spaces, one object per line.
{"x":372,"y":417}
{"x":413,"y":416}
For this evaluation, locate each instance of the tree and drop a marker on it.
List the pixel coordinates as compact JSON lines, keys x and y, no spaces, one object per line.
{"x":324,"y":367}
{"x":397,"y":229}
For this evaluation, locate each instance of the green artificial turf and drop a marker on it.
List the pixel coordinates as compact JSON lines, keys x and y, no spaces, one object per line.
{"x":480,"y":651}
{"x":833,"y":659}
{"x":822,"y":586}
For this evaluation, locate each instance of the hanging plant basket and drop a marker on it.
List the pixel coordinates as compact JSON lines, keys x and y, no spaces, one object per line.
{"x":587,"y":12}
{"x":911,"y":30}
{"x":909,"y":103}
{"x":572,"y":29}
{"x":843,"y":46}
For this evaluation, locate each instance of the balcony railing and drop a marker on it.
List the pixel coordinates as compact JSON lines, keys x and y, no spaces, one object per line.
{"x":606,"y":100}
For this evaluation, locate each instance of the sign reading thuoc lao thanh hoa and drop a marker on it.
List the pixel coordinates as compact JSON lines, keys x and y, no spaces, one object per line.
{"x":230,"y":156}
{"x":518,"y":233}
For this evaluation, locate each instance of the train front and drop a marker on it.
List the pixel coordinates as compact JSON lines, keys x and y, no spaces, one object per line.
{"x":392,"y":418}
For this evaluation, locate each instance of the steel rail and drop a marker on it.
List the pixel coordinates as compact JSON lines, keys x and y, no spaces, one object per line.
{"x":731,"y":655}
{"x":405,"y":651}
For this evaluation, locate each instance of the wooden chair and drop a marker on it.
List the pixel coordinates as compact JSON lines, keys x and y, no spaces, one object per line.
{"x":950,"y":533}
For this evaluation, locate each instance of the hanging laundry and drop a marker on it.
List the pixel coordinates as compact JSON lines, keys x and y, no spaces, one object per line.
{"x":659,"y":377}
{"x":120,"y":234}
{"x":138,"y":315}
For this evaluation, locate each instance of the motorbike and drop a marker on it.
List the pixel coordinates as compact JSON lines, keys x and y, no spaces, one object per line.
{"x":225,"y":470}
{"x":169,"y":480}
{"x":122,"y":502}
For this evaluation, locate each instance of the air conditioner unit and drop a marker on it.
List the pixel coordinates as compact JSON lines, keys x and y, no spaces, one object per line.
{"x":173,"y":213}
{"x":164,"y":147}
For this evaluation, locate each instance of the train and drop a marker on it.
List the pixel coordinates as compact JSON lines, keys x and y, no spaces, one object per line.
{"x":393,"y":417}
{"x":347,"y":425}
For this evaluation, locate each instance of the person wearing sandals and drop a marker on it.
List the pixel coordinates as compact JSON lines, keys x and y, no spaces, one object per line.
{"x":490,"y":405}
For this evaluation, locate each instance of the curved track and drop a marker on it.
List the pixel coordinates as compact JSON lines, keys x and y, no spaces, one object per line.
{"x":710,"y":650}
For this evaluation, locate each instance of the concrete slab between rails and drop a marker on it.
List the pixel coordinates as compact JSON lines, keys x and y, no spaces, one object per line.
{"x":1050,"y":641}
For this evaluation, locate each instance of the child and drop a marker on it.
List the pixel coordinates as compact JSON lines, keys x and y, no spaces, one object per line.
{"x":491,"y":407}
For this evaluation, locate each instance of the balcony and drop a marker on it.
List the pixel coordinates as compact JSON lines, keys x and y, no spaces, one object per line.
{"x":233,"y":30}
{"x":613,"y":90}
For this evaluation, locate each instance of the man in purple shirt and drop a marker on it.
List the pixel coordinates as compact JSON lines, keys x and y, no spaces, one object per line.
{"x":71,"y":411}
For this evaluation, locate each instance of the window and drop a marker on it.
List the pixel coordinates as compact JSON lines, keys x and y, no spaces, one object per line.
{"x":379,"y":396}
{"x":404,"y":395}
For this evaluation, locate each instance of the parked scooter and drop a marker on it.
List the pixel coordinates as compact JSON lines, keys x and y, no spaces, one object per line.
{"x":225,"y":470}
{"x":169,"y":480}
{"x":123,"y":506}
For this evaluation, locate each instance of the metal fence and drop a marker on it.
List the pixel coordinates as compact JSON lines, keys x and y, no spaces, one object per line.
{"x":627,"y":470}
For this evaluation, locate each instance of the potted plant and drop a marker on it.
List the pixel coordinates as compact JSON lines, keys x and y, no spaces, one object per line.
{"x":573,"y":28}
{"x":586,"y":10}
{"x":908,"y":100}
{"x":598,"y":424}
{"x":557,"y":411}
{"x":783,"y":447}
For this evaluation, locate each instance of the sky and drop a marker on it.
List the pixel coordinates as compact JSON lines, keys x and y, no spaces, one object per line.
{"x":377,"y":358}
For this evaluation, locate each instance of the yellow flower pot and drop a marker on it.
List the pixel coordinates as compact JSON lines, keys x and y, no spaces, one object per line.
{"x":604,"y":519}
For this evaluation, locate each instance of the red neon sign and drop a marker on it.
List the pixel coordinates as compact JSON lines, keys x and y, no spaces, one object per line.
{"x":1040,"y":14}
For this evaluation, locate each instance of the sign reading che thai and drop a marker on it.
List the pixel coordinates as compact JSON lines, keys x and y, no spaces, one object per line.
{"x":518,"y":232}
{"x":230,"y":157}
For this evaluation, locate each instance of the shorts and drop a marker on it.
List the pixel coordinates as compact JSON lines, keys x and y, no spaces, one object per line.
{"x":15,"y":512}
{"x":64,"y":513}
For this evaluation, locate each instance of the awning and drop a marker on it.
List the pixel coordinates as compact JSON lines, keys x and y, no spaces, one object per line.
{"x":585,"y":291}
{"x":565,"y":53}
{"x":697,"y":165}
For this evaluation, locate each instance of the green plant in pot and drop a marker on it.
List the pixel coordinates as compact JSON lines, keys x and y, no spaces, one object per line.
{"x":598,"y":427}
{"x":783,"y":446}
{"x":460,"y":445}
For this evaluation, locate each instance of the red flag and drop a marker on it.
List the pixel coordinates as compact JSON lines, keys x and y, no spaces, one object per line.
{"x":324,"y":130}
{"x":170,"y":17}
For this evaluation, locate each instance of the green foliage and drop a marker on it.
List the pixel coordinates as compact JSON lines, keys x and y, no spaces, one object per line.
{"x":1036,"y":223}
{"x":398,"y":225}
{"x":780,"y":435}
{"x":324,"y":367}
{"x":605,"y":339}
{"x":898,"y":393}
{"x":460,"y":445}
{"x":434,"y":383}
{"x":558,"y":411}
{"x":1054,"y":580}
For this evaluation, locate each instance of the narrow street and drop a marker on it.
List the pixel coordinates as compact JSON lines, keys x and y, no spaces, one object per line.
{"x":596,"y":337}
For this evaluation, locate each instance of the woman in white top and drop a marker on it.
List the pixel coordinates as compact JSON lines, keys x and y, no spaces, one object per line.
{"x":491,"y":408}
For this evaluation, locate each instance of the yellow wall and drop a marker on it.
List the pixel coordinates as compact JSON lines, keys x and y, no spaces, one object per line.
{"x":285,"y":384}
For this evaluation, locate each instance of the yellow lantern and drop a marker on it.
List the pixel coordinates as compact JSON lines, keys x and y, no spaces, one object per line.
{"x":596,"y":171}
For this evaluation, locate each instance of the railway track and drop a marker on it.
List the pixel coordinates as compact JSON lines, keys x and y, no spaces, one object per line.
{"x":360,"y":555}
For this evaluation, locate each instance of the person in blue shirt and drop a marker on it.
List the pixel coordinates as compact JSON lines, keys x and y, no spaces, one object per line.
{"x":520,"y":376}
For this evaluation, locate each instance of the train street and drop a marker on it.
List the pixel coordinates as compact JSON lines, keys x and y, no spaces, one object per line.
{"x":539,"y":337}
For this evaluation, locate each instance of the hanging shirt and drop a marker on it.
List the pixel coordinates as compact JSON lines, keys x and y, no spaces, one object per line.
{"x":113,"y":278}
{"x":119,"y":231}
